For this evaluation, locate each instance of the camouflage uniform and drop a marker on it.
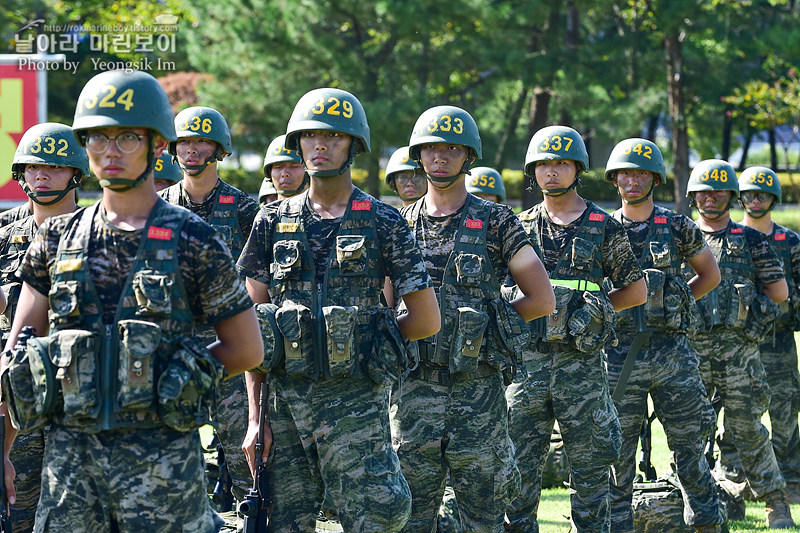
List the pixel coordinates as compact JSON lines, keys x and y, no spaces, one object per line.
{"x":729,"y":360}
{"x":231,"y":212}
{"x":329,"y":410}
{"x":559,"y":382}
{"x":14,"y":214}
{"x":28,"y":448}
{"x":451,"y":414}
{"x":118,"y":463}
{"x":667,"y":369}
{"x":779,"y":357}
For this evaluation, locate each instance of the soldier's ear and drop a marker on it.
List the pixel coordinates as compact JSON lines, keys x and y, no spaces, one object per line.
{"x":159,"y":144}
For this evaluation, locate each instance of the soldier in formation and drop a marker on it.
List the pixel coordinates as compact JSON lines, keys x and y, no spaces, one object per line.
{"x":283,"y":168}
{"x":734,"y":318}
{"x":653,"y":355}
{"x":486,"y":183}
{"x":405,"y":177}
{"x":115,"y":291}
{"x":562,"y":376}
{"x":166,"y":172}
{"x":317,"y":266}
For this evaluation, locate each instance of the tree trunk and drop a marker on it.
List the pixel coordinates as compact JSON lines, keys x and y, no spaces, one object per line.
{"x":748,"y":138}
{"x":652,"y":128}
{"x":373,"y":176}
{"x":680,"y":138}
{"x":508,"y":137}
{"x":773,"y":152}
{"x":727,"y":127}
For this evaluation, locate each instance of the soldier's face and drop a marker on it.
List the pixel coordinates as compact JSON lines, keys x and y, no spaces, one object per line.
{"x":324,"y":149}
{"x":712,"y":200}
{"x":633,"y":183}
{"x":487,"y":196}
{"x":443,"y":160}
{"x":114,"y":163}
{"x":287,"y":176}
{"x":555,"y":174}
{"x":42,"y":178}
{"x":194,"y":150}
{"x":410,"y":184}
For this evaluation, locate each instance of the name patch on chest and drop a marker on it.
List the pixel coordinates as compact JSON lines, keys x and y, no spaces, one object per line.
{"x":596,"y":217}
{"x":474,"y":224}
{"x":737,"y":230}
{"x":363,"y":205}
{"x":660,"y":220}
{"x":226,"y":199}
{"x":162,"y":234}
{"x":19,"y":239}
{"x":288,"y":227}
{"x":69,"y":265}
{"x":780,"y":236}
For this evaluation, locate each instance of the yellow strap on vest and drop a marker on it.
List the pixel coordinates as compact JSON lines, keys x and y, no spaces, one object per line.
{"x":577,"y":284}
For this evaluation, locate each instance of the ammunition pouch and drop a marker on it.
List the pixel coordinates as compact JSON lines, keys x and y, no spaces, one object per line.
{"x":592,"y":325}
{"x":728,"y":305}
{"x":187,"y":386}
{"x":138,"y":341}
{"x":270,"y":335}
{"x":537,"y":328}
{"x":296,"y":327}
{"x":393,"y":356}
{"x":467,"y":340}
{"x":761,"y":318}
{"x":512,"y":335}
{"x":11,"y":292}
{"x":557,"y":329}
{"x":669,"y":306}
{"x":342,"y":340}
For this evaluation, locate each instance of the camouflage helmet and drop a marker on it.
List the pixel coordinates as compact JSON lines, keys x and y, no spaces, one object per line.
{"x":53,"y":144}
{"x":399,"y":162}
{"x":329,"y":109}
{"x":278,"y":153}
{"x":713,"y":175}
{"x":167,"y":169}
{"x":486,"y":180}
{"x":267,"y":189}
{"x":639,"y":154}
{"x":554,"y":143}
{"x":445,"y":124}
{"x":761,"y":179}
{"x":116,"y":98}
{"x":204,"y":123}
{"x":50,"y":143}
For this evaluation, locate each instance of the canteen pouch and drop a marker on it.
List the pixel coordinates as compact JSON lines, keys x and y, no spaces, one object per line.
{"x":763,"y":315}
{"x":557,"y":321}
{"x":653,"y":308}
{"x":392,"y":356}
{"x":583,"y":255}
{"x":153,"y":292}
{"x":469,"y":269}
{"x":63,"y":298}
{"x":295,"y":324}
{"x":187,"y":386}
{"x":741,"y":299}
{"x":138,"y":342}
{"x":74,"y":353}
{"x":679,"y":305}
{"x":271,"y":336}
{"x":341,"y":342}
{"x":287,"y":259}
{"x":351,"y":254}
{"x":465,"y":349}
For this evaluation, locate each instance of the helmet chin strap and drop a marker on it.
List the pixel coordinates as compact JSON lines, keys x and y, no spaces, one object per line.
{"x":446,"y":181}
{"x":717,"y":212}
{"x":124,"y":184}
{"x":58,"y":195}
{"x":759,"y":213}
{"x":194,"y":170}
{"x":334,"y":172}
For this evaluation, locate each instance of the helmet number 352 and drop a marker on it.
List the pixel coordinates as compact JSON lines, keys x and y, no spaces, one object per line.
{"x":332,"y":107}
{"x":125,"y":99}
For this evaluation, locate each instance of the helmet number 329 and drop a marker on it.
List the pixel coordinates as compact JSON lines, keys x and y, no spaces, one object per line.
{"x":332,"y":107}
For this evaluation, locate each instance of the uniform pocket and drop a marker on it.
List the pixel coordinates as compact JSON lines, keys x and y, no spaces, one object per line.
{"x":341,"y":342}
{"x":759,"y":388}
{"x":63,"y":299}
{"x":742,"y":295}
{"x":660,"y":254}
{"x":606,"y":434}
{"x":270,"y":335}
{"x":468,"y":339}
{"x":469,"y":269}
{"x":295,"y":325}
{"x":287,"y":259}
{"x":583,"y":254}
{"x":153,"y":291}
{"x":74,"y":353}
{"x":654,"y":306}
{"x":557,"y":321}
{"x":138,"y":342}
{"x":351,"y":253}
{"x":507,"y":480}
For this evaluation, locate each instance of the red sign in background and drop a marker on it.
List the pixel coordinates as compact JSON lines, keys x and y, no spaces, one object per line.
{"x":19,"y":95}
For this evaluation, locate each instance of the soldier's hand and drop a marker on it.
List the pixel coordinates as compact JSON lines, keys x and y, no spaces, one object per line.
{"x":249,"y":445}
{"x":10,"y":474}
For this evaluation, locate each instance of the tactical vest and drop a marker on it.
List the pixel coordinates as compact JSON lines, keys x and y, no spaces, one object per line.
{"x":224,"y":213}
{"x":21,"y":235}
{"x":789,"y":307}
{"x":468,"y":297}
{"x":728,"y":304}
{"x":660,"y":254}
{"x":328,"y":330}
{"x":108,"y":372}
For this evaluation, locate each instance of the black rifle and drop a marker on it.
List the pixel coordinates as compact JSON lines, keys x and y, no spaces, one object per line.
{"x":645,"y":465}
{"x":5,"y":515}
{"x":222,"y":494}
{"x":257,"y":507}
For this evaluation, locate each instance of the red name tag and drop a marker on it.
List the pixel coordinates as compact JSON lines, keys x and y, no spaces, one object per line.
{"x":162,"y":234}
{"x":474,"y":224}
{"x":363,"y":205}
{"x":780,"y":236}
{"x":596,"y":217}
{"x":737,"y":230}
{"x":226,"y":199}
{"x":660,"y":220}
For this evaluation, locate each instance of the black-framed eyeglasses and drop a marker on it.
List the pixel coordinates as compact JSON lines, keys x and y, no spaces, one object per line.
{"x":763,"y":197}
{"x":127,"y":142}
{"x":402,"y":179}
